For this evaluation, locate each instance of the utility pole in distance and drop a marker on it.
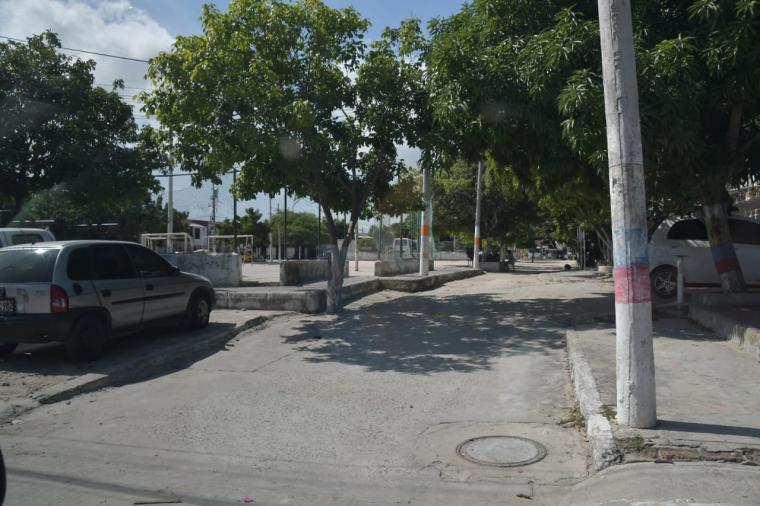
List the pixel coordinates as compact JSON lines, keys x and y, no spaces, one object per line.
{"x":425,"y":225}
{"x":476,"y":239}
{"x":636,"y":402}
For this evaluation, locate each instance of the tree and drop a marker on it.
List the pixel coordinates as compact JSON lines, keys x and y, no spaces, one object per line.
{"x":57,"y":128}
{"x":510,"y":216}
{"x":248,"y":224}
{"x":302,"y":228}
{"x":290,"y":93}
{"x":525,"y":77}
{"x":120,"y":220}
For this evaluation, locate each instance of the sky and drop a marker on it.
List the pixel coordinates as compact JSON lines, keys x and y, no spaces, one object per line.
{"x":141,"y":28}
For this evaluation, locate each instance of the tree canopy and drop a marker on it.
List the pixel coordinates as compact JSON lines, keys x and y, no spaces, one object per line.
{"x":290,"y":93}
{"x":58,"y":129}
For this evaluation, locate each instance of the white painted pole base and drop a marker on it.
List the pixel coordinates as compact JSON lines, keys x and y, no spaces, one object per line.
{"x":635,"y":366}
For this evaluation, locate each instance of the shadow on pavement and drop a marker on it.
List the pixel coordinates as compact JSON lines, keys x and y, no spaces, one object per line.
{"x":463,"y":333}
{"x":707,"y":428}
{"x":51,"y":359}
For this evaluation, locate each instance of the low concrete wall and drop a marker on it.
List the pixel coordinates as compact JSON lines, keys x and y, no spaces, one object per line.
{"x":222,"y":269}
{"x":450,"y":255}
{"x":298,"y":272}
{"x":396,"y":266}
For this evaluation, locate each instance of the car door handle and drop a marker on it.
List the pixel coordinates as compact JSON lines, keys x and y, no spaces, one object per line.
{"x":149,"y":287}
{"x":106,"y":292}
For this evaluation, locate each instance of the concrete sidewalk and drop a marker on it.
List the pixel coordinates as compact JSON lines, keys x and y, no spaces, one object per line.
{"x":708,"y":405}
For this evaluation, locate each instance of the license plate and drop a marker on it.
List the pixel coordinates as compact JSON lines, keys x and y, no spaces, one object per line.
{"x":7,"y":306}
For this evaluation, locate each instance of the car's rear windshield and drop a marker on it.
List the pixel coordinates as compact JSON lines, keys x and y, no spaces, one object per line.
{"x":32,"y":265}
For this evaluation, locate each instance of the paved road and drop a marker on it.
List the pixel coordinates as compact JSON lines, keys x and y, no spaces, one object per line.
{"x":367,"y":408}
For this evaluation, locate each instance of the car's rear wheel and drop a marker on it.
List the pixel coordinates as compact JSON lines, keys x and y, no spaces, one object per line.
{"x":87,"y":340}
{"x":198,"y":311}
{"x":6,"y":350}
{"x":665,"y":281}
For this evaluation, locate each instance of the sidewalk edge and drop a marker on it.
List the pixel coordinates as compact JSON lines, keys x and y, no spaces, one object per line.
{"x":604,"y":450}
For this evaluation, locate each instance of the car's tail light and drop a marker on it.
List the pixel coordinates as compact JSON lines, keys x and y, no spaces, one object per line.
{"x":59,"y":301}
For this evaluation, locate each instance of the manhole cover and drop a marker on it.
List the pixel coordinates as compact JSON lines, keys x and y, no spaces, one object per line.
{"x":502,"y":451}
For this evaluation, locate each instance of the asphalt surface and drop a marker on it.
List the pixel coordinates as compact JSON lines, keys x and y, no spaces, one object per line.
{"x":365,"y":408}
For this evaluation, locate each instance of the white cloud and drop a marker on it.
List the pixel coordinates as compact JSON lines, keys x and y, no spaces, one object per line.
{"x":107,"y":26}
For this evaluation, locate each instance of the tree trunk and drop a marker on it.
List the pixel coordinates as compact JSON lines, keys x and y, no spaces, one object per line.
{"x":722,"y":248}
{"x":335,"y":283}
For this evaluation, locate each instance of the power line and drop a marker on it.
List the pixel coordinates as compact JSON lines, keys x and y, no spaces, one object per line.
{"x":119,"y":57}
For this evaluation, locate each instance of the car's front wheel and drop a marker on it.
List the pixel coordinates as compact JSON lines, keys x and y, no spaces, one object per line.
{"x":198,"y":312}
{"x":665,"y":281}
{"x":87,"y":340}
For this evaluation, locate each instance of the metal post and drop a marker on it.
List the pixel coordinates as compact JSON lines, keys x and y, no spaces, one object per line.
{"x":270,"y":230}
{"x":425,"y":225}
{"x":319,"y":227}
{"x":285,"y":227}
{"x":356,"y":247}
{"x":636,"y":401}
{"x":679,"y":280}
{"x":476,"y":239}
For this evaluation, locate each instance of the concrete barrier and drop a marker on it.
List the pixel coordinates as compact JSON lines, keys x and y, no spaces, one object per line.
{"x":299,"y":272}
{"x":396,"y":266}
{"x":222,"y":269}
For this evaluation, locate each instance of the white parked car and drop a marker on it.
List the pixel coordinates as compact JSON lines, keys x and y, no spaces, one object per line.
{"x":688,"y":238}
{"x":14,"y":236}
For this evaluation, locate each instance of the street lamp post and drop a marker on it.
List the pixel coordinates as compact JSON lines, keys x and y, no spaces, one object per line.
{"x":636,"y":404}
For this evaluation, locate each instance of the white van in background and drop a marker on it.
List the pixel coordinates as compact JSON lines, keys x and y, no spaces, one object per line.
{"x":14,"y":236}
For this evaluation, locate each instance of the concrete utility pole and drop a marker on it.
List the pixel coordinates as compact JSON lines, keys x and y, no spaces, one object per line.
{"x":425,"y":225}
{"x":234,"y":211}
{"x":170,"y":212}
{"x":636,"y":403}
{"x":476,"y":239}
{"x":319,"y":227}
{"x":270,"y":229}
{"x":285,"y":227}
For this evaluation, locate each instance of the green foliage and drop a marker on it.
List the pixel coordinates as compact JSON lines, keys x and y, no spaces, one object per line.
{"x":248,"y":224}
{"x":74,"y":219}
{"x":56,"y":129}
{"x":508,"y":214}
{"x":302,"y":229}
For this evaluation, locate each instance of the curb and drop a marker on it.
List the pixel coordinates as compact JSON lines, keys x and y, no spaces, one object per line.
{"x":604,"y":450}
{"x":139,"y":368}
{"x":745,"y":337}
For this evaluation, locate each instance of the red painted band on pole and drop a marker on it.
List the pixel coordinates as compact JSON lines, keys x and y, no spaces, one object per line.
{"x":424,"y":230}
{"x":632,"y":284}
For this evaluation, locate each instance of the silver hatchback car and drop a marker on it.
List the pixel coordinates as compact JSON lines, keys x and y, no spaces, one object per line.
{"x":83,"y":292}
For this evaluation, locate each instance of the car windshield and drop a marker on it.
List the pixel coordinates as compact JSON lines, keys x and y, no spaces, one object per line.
{"x":32,"y":265}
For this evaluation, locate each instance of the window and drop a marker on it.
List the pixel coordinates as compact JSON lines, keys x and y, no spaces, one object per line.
{"x":26,"y":238}
{"x":79,"y":264}
{"x":110,"y":261}
{"x":147,"y":263}
{"x":688,"y":230}
{"x":196,"y":233}
{"x":744,"y":232}
{"x":27,"y":265}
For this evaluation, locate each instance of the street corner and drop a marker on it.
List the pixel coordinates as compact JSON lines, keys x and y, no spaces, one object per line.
{"x":518,"y":452}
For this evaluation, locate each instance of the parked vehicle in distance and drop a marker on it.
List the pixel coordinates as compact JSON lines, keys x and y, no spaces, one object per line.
{"x":14,"y":236}
{"x":688,"y":238}
{"x":83,"y":292}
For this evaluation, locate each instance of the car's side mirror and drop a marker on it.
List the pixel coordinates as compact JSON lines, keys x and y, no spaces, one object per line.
{"x":174,"y":270}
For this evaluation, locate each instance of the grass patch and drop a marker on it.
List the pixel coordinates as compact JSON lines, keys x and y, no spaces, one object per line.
{"x":608,"y":412}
